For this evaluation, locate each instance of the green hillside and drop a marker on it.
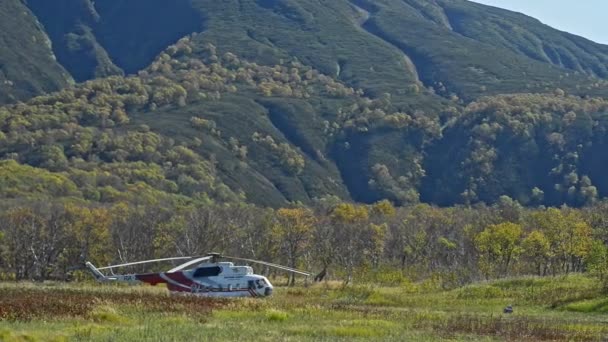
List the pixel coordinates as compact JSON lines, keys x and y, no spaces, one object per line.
{"x":183,"y":122}
{"x":454,"y":47}
{"x":526,"y":36}
{"x":277,"y":101}
{"x":100,"y":38}
{"x":27,"y":64}
{"x":538,"y":149}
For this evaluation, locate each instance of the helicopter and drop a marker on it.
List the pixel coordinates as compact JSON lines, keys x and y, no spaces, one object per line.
{"x":205,"y":276}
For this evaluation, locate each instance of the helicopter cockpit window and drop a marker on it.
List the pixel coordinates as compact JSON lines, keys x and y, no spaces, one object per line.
{"x":207,"y":272}
{"x":261,"y":283}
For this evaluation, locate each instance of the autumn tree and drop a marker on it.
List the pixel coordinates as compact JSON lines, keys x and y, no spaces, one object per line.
{"x":499,"y":246}
{"x":134,"y":229}
{"x":419,"y":237}
{"x":537,"y":249}
{"x":569,"y":237}
{"x":355,"y":238}
{"x":36,"y":240}
{"x":22,"y":228}
{"x":89,"y":235}
{"x":195,"y":231}
{"x":293,"y":231}
{"x":597,"y":262}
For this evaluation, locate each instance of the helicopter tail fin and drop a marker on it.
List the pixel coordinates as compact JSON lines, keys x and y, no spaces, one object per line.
{"x":96,"y":273}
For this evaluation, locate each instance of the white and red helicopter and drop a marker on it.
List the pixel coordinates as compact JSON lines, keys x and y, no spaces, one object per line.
{"x":203,"y":276}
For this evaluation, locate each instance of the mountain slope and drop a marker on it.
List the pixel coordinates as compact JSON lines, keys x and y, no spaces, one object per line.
{"x":453,"y":63}
{"x":455,"y":47}
{"x":186,"y":126}
{"x":527,"y":36}
{"x":101,"y":38}
{"x":276,"y":101}
{"x":538,"y":149}
{"x":27,"y":64}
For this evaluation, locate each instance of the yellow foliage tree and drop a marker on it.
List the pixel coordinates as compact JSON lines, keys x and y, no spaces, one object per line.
{"x":294,"y":231}
{"x":498,"y":246}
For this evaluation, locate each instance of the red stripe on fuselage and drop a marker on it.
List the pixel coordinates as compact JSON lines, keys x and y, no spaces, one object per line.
{"x":175,"y":288}
{"x":180,"y":277}
{"x":155,"y":278}
{"x":151,"y":278}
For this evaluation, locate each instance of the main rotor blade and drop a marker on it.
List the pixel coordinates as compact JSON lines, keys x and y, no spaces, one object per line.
{"x":189,"y":263}
{"x":284,"y":268}
{"x":144,"y":262}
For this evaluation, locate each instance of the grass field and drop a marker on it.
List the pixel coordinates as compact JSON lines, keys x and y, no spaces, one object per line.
{"x":546,"y":309}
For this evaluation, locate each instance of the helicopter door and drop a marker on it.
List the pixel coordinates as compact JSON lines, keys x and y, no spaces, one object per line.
{"x":251,"y":284}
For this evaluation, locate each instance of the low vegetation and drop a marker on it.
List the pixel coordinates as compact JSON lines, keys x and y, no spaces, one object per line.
{"x":545,"y":309}
{"x":27,"y":303}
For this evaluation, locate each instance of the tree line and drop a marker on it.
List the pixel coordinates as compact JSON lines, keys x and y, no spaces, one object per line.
{"x":42,"y":240}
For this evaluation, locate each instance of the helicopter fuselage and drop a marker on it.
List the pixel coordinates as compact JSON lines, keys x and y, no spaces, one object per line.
{"x":221,"y":279}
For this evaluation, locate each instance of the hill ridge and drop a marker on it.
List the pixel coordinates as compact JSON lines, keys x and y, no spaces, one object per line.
{"x":278,"y":101}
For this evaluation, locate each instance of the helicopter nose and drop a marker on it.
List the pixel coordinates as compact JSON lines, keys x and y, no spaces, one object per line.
{"x":268,"y":291}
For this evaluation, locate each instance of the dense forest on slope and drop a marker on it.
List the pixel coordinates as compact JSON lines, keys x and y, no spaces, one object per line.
{"x":278,"y":101}
{"x":540,"y":149}
{"x":86,"y":131}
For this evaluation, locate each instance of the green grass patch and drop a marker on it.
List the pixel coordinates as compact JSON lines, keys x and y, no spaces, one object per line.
{"x":471,"y":313}
{"x":481,"y":292}
{"x":276,"y":315}
{"x":589,"y":306}
{"x":356,"y":332}
{"x":108,"y":314}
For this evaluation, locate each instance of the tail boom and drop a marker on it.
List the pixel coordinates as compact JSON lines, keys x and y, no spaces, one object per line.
{"x":100,"y":277}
